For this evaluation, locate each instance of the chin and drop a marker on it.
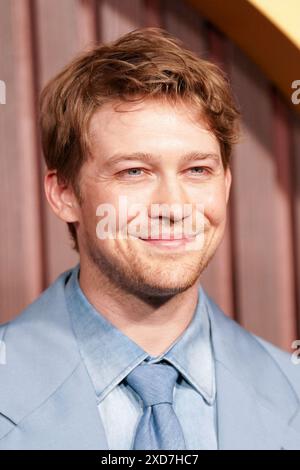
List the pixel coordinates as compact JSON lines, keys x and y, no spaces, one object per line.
{"x":164,"y":287}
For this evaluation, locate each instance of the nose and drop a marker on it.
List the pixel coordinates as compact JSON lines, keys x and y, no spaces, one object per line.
{"x":170,"y":200}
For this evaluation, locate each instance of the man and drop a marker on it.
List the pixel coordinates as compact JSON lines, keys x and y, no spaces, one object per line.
{"x":126,"y":350}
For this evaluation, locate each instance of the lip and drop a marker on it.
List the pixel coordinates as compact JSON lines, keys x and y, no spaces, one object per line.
{"x":168,"y":243}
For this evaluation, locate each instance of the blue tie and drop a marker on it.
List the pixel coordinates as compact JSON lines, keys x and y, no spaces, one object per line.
{"x":158,"y":427}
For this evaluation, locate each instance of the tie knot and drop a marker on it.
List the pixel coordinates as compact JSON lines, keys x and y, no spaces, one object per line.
{"x":154,"y":383}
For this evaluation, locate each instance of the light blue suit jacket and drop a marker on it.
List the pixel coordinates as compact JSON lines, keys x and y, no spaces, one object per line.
{"x":47,"y":400}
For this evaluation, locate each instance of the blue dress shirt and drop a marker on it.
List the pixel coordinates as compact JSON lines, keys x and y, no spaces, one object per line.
{"x":109,"y":355}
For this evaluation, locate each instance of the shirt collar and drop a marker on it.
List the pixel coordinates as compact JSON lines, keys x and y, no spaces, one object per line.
{"x":110,"y":355}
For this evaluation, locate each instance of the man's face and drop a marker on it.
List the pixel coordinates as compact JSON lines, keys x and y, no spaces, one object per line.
{"x":171,"y":173}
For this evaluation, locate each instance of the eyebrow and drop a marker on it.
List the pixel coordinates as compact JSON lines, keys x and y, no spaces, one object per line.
{"x":151,"y":158}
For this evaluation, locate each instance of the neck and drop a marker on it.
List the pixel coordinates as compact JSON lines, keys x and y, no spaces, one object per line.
{"x":154,"y":326}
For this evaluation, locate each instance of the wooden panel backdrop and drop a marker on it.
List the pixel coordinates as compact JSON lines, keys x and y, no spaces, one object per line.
{"x":255,"y":274}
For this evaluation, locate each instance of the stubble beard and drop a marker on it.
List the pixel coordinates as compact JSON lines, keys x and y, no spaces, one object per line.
{"x":143,"y":276}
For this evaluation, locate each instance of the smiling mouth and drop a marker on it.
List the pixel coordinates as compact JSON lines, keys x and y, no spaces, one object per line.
{"x":173,"y":239}
{"x":168,"y":243}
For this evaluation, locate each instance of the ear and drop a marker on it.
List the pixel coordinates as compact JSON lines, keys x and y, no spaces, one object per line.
{"x":228,"y":179}
{"x":61,"y":198}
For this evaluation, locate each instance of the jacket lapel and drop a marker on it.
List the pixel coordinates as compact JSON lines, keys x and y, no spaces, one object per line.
{"x":256,"y":406}
{"x":69,"y":419}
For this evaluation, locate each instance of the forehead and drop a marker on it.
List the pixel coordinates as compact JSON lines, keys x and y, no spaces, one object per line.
{"x":160,"y":125}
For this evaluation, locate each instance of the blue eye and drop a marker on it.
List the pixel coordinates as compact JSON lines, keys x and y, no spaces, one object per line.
{"x":132,"y":172}
{"x":202,"y":168}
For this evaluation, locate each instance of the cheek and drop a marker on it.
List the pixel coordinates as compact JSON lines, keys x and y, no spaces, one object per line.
{"x":214,"y":201}
{"x":89,"y":218}
{"x":132,"y":208}
{"x":92,"y":201}
{"x":113,"y":211}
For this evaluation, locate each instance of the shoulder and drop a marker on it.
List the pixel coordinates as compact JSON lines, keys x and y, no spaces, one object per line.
{"x":257,"y":362}
{"x":38,"y":311}
{"x":41,"y":327}
{"x":285,"y":362}
{"x":40,"y":351}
